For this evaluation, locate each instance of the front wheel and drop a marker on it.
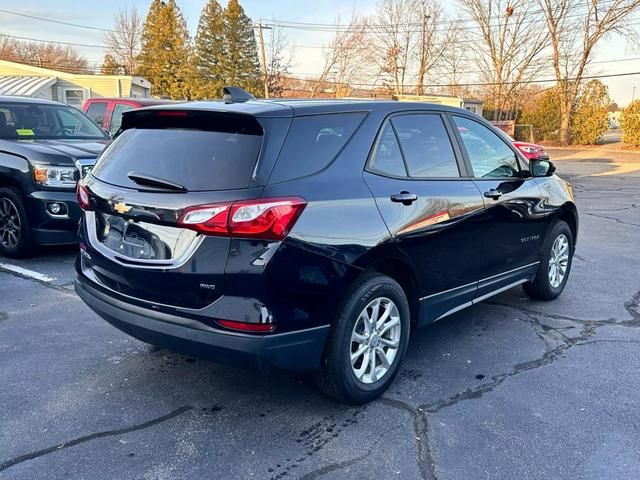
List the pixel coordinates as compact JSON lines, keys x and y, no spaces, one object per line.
{"x":15,"y":231}
{"x":367,"y":341}
{"x":555,"y":266}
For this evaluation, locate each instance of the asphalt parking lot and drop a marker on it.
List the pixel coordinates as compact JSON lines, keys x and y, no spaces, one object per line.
{"x":508,"y":389}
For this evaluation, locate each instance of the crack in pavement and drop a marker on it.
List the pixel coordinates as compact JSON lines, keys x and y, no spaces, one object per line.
{"x":423,"y":450}
{"x":547,"y":358}
{"x":59,"y":288}
{"x":589,"y":327}
{"x":588,"y":330}
{"x":630,"y":306}
{"x":633,"y":306}
{"x":611,"y":218}
{"x":334,"y":467}
{"x":93,"y":436}
{"x":590,"y":342}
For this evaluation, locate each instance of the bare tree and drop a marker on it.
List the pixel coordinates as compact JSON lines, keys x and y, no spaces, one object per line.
{"x":346,"y":57}
{"x":432,"y":44}
{"x":280,"y":57}
{"x":456,"y":58}
{"x":123,"y":42}
{"x":506,"y":45}
{"x":397,"y":31}
{"x":45,"y":55}
{"x":574,"y":34}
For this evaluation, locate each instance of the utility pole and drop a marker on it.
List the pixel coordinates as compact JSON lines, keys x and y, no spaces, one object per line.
{"x":265,"y":74}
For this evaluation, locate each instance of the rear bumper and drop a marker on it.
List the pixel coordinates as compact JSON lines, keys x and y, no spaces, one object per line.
{"x":298,"y":350}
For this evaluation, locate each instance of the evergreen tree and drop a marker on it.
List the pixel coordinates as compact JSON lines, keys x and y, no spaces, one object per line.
{"x":166,"y":51}
{"x":210,"y":51}
{"x":241,"y":66}
{"x":590,"y":120}
{"x":110,"y":66}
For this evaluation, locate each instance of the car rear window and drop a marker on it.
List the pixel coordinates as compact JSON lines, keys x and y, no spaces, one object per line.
{"x":220,"y":156}
{"x":313,"y":142}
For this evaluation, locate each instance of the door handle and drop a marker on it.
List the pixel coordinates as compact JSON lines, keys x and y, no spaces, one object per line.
{"x":405,"y":198}
{"x":493,"y":193}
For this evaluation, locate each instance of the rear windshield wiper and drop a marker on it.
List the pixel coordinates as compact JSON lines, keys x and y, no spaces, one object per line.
{"x":144,"y":179}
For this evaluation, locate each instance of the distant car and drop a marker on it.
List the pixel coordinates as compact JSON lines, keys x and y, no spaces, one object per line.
{"x":45,"y":147}
{"x":308,"y":235}
{"x":531,"y":150}
{"x":107,"y":112}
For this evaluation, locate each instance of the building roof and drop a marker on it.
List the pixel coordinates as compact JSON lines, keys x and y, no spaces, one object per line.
{"x":21,"y":86}
{"x":39,"y":71}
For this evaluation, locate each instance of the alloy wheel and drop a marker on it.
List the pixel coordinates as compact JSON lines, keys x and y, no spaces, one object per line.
{"x":375,"y":340}
{"x":558,"y":260}
{"x":10,"y":224}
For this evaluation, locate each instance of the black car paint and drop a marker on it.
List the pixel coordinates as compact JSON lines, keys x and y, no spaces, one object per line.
{"x":348,"y":226}
{"x":17,"y":160}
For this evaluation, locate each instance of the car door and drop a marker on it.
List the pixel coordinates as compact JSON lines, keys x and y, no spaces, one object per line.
{"x":430,"y":206}
{"x":514,"y":220}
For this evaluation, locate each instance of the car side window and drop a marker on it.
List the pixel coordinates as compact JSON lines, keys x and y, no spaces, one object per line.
{"x":387,"y":158}
{"x":425,"y":146}
{"x":96,"y":112}
{"x":489,"y":155}
{"x":313,"y":142}
{"x":116,"y":116}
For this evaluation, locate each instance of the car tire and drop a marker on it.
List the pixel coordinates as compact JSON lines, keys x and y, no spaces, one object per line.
{"x":351,"y":334}
{"x":16,"y":239}
{"x":557,"y":258}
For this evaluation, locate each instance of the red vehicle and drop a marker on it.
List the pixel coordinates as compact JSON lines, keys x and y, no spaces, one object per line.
{"x":107,"y":112}
{"x":531,"y":150}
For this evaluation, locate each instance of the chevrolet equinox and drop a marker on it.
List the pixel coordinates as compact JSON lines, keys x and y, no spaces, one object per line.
{"x":313,"y":235}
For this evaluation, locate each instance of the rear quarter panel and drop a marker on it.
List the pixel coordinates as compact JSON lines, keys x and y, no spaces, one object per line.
{"x":339,"y":234}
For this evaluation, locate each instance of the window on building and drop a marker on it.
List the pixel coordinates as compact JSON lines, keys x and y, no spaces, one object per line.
{"x":74,"y":97}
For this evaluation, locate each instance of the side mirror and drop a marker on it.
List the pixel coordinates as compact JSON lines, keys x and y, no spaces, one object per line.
{"x":541,"y":167}
{"x":108,"y":133}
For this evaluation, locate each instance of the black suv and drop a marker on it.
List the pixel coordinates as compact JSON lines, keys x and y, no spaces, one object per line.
{"x":313,"y":235}
{"x":44,"y":148}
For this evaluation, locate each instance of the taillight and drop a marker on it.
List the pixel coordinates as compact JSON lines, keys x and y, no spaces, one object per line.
{"x":209,"y":219}
{"x":82,"y":194}
{"x":266,"y":218}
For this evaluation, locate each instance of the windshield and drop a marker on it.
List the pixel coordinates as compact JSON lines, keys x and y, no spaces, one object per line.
{"x":30,"y":121}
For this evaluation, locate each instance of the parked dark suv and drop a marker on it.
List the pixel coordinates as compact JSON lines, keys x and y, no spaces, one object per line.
{"x":44,"y":149}
{"x":313,"y":235}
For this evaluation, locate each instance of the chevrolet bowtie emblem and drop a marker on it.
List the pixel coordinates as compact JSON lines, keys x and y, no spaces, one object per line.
{"x":121,"y":207}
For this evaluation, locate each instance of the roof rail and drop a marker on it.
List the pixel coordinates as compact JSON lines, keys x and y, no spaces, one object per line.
{"x":236,"y":95}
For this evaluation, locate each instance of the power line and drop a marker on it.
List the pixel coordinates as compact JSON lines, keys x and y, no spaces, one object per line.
{"x":482,"y":84}
{"x":74,"y":44}
{"x":328,"y":27}
{"x":54,"y":21}
{"x":80,"y":70}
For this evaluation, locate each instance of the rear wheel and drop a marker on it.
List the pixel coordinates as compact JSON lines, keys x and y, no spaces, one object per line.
{"x":367,"y":341}
{"x":15,"y":231}
{"x":555,"y":266}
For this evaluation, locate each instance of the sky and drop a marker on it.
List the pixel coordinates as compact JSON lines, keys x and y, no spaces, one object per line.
{"x":308,"y":61}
